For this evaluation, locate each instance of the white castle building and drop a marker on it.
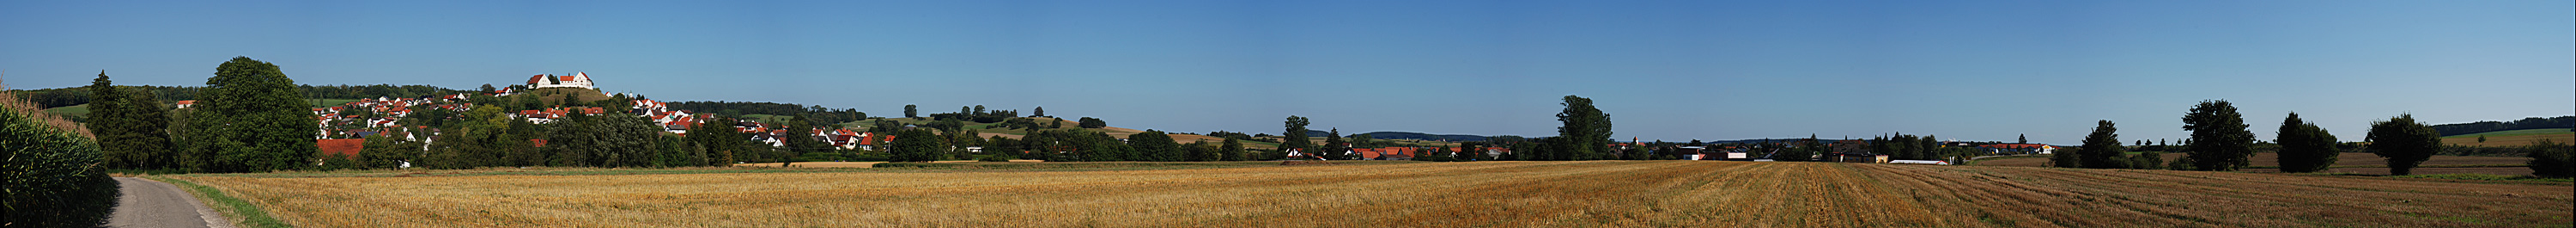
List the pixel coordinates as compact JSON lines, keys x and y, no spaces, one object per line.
{"x":576,"y":80}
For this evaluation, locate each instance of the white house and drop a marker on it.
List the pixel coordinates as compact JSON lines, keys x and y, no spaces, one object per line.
{"x":576,"y":80}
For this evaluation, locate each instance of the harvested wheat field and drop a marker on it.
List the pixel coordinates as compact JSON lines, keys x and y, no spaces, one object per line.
{"x":2274,"y":160}
{"x":1465,"y":194}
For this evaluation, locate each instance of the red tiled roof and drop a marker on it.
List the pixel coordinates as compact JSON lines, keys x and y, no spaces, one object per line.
{"x":341,"y":147}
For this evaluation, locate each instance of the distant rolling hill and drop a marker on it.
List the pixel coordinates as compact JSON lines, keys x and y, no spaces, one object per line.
{"x":2493,"y":126}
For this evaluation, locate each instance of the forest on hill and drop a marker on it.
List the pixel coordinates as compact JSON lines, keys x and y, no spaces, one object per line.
{"x":69,"y":96}
{"x":2524,"y":123}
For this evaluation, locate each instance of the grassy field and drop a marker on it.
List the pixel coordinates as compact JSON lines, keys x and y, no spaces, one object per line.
{"x":2513,"y":137}
{"x":75,"y":110}
{"x":1406,"y":194}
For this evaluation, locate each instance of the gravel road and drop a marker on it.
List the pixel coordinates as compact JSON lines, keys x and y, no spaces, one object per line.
{"x":150,"y":203}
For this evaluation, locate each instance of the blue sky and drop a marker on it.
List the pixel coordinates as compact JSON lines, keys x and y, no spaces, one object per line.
{"x":1668,"y":70}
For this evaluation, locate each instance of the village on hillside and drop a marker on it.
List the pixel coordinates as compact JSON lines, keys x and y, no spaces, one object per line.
{"x":345,"y":127}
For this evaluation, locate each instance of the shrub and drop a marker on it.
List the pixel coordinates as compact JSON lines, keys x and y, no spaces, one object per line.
{"x":55,"y":177}
{"x":2550,"y":159}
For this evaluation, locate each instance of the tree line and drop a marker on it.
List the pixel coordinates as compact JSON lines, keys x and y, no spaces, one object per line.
{"x":69,"y":96}
{"x":2524,"y":123}
{"x":816,"y":113}
{"x":254,"y":119}
{"x":2220,"y":142}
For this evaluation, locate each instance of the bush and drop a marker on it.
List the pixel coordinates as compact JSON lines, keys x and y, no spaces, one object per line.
{"x":56,"y":178}
{"x":870,"y":156}
{"x":2550,"y":159}
{"x":994,"y":158}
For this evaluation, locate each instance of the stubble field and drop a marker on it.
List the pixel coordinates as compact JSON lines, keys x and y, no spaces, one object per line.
{"x":1469,"y":194}
{"x":2354,"y":163}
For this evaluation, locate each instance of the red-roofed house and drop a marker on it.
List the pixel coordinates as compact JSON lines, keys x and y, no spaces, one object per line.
{"x":576,"y":80}
{"x":347,"y":148}
{"x":2019,"y":148}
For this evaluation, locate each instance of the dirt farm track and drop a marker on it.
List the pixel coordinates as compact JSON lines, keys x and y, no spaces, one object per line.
{"x":1420,"y":194}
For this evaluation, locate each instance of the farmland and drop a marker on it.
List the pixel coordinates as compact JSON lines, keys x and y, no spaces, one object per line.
{"x":2513,"y":137}
{"x":2355,"y":163}
{"x":1471,"y":194}
{"x":2274,"y":160}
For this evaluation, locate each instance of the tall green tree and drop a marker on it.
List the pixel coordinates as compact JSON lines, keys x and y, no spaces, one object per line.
{"x":911,"y":111}
{"x":1232,"y":150}
{"x":254,"y":119}
{"x":916,"y":145}
{"x":1088,"y":122}
{"x":1586,"y":129}
{"x":2404,"y":142}
{"x":800,"y":140}
{"x":132,"y":127}
{"x":718,"y":137}
{"x":1155,"y":146}
{"x":1334,"y":147}
{"x":2304,"y":146}
{"x":2102,"y":148}
{"x":1295,"y":137}
{"x":1096,"y":146}
{"x":2066,"y":158}
{"x":1200,"y":151}
{"x":610,"y":140}
{"x":2219,"y":141}
{"x":1810,"y":148}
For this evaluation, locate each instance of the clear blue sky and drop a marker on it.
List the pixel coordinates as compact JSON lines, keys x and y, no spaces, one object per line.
{"x":1669,"y":70}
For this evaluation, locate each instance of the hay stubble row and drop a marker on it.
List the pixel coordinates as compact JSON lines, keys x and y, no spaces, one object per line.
{"x":1474,"y":194}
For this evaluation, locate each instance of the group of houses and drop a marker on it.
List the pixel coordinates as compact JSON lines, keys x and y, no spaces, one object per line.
{"x":1394,"y":153}
{"x":845,"y":139}
{"x":1853,"y":151}
{"x":375,"y":116}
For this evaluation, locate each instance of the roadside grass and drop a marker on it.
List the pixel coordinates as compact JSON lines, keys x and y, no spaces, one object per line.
{"x":243,"y":213}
